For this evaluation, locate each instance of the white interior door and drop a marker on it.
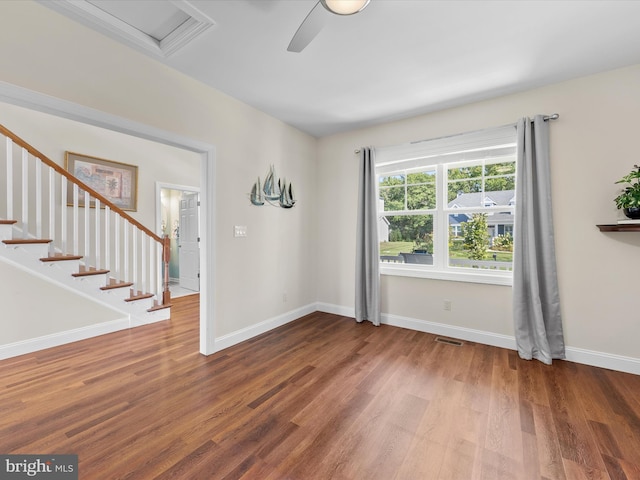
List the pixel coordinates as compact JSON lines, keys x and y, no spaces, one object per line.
{"x":188,"y":242}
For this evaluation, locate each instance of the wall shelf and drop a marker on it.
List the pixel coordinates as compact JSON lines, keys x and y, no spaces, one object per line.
{"x":620,"y":227}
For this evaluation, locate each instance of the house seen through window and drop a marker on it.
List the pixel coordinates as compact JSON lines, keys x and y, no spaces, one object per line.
{"x":447,"y":206}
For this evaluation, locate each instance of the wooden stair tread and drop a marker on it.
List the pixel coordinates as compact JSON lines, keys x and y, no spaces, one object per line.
{"x":61,"y":258}
{"x":8,"y":222}
{"x":139,"y":296}
{"x":26,"y":241}
{"x":113,"y":286}
{"x":159,"y":307}
{"x":87,"y":273}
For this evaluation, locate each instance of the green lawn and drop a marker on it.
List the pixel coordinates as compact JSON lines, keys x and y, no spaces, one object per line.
{"x":500,"y":256}
{"x":394,"y":248}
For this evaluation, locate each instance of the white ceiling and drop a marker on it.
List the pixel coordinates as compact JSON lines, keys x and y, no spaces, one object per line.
{"x":399,"y":58}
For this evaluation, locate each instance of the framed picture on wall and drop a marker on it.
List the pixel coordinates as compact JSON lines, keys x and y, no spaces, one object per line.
{"x":118,"y":182}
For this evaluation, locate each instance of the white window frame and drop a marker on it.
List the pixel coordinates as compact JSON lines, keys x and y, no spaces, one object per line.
{"x":441,"y":153}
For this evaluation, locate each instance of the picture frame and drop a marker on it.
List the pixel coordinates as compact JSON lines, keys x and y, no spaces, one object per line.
{"x":116,"y":181}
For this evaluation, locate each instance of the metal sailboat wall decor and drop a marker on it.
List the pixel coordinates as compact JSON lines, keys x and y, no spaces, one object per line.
{"x":287,"y":200}
{"x":257,"y":197}
{"x":271,"y":187}
{"x":275,"y":191}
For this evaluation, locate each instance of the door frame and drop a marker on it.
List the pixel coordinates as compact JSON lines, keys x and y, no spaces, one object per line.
{"x":33,"y":100}
{"x":170,"y":186}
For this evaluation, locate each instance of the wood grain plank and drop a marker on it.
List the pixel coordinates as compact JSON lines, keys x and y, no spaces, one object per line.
{"x":504,"y":415}
{"x":321,"y":397}
{"x":548,"y":446}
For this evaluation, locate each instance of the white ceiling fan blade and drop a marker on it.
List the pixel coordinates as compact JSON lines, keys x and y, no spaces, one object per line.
{"x":309,"y":28}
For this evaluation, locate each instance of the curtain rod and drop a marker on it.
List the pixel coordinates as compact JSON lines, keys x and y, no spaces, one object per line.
{"x":553,"y":116}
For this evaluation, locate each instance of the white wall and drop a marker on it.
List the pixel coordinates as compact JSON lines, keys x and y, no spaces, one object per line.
{"x":47,"y":53}
{"x":592,"y":145}
{"x":34,"y":308}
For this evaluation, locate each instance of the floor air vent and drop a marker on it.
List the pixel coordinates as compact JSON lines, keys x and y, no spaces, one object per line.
{"x":449,"y":341}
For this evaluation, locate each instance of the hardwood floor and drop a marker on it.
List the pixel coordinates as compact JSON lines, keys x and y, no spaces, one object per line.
{"x":319,"y":398}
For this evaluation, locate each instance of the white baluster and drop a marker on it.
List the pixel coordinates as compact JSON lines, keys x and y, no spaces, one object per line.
{"x":160,"y":269}
{"x":97,"y":228}
{"x":153,"y":283}
{"x":52,"y":205}
{"x":63,"y":215}
{"x":134,"y":253}
{"x":76,"y":213}
{"x":25,"y":193}
{"x":87,"y":235}
{"x":143,"y":263}
{"x":38,"y":199}
{"x":9,"y":179}
{"x":107,"y":238}
{"x":117,"y":240}
{"x":126,"y":246}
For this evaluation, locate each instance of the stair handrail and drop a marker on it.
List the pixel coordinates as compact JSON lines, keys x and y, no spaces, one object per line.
{"x":163,"y":241}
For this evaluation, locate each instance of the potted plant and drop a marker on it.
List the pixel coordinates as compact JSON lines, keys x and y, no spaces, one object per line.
{"x":629,"y":199}
{"x":423,"y":243}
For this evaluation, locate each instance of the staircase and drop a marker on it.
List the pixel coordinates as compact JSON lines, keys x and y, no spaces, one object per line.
{"x":99,"y":252}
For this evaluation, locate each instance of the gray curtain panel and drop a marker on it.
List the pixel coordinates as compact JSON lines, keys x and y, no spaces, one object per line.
{"x":367,"y":247}
{"x":536,"y":300}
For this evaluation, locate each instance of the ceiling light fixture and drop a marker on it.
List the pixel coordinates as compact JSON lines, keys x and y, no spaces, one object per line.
{"x":317,"y":18}
{"x":344,"y":7}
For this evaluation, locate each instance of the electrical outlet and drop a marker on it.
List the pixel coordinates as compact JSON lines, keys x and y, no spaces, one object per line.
{"x":447,"y":305}
{"x":239,"y":230}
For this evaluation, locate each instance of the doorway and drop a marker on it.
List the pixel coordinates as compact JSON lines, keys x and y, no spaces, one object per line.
{"x":35,"y":101}
{"x":179,"y":218}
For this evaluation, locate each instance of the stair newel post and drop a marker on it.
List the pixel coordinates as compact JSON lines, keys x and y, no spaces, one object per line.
{"x":166,"y":257}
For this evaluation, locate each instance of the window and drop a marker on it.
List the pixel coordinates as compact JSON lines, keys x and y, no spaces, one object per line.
{"x":447,"y":207}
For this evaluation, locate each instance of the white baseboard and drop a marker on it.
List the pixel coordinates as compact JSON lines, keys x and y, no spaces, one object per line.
{"x":247,"y":333}
{"x":577,"y":355}
{"x":604,"y":360}
{"x":461,"y":333}
{"x":61,"y":338}
{"x":336,"y":309}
